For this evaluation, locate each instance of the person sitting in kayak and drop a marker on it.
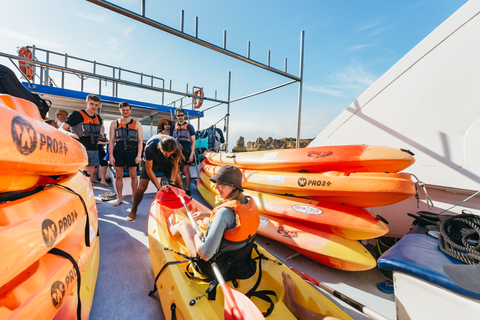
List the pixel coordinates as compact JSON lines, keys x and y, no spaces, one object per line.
{"x":230,"y":226}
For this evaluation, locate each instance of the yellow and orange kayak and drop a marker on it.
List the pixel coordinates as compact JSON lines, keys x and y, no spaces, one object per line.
{"x":362,"y":189}
{"x":344,"y":221}
{"x":176,"y":290}
{"x":350,"y":158}
{"x":32,"y":149}
{"x":323,"y":247}
{"x":35,"y":224}
{"x":40,"y":290}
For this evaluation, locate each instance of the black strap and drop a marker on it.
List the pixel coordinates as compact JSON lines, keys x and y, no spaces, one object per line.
{"x":163,"y":268}
{"x":262,"y":294}
{"x":87,"y":224}
{"x":66,"y":255}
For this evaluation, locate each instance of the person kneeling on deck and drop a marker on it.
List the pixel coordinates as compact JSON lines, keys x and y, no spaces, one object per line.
{"x":162,"y":153}
{"x":125,"y":148}
{"x":232,"y":224}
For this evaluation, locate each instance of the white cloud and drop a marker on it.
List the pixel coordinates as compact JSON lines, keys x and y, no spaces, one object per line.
{"x":349,"y":81}
{"x":99,"y":18}
{"x":29,"y":40}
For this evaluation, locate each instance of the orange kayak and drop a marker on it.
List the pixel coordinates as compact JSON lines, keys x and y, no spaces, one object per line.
{"x":31,"y":148}
{"x":362,"y":189}
{"x":352,"y":158}
{"x":323,"y":247}
{"x":40,"y":290}
{"x":344,"y":221}
{"x":35,"y":224}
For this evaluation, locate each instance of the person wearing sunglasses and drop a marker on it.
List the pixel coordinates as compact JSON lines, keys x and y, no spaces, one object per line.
{"x":185,"y":134}
{"x":61,"y":117}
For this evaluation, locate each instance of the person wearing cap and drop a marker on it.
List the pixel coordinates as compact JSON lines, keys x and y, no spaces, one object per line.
{"x":164,"y":126}
{"x":230,"y":226}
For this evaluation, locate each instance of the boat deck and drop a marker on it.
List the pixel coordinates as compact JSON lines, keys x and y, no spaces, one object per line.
{"x":125,"y":274}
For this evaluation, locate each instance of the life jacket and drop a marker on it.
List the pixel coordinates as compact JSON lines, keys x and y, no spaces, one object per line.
{"x":247,"y":218}
{"x":127,"y":134}
{"x":90,"y":127}
{"x":181,"y":133}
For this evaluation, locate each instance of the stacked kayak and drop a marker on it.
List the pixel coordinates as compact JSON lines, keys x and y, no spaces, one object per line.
{"x":354,"y":158}
{"x":176,"y":290}
{"x":313,"y":200}
{"x":48,"y":218}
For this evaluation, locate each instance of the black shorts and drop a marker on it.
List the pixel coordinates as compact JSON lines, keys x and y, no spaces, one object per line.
{"x":123,"y":158}
{"x":101,"y":155}
{"x":163,"y":166}
{"x":186,"y":155}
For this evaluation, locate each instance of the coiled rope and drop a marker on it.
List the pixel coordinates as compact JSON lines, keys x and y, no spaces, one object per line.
{"x":459,"y":238}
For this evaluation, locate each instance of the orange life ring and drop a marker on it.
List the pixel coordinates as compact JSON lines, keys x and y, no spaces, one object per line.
{"x":28,"y":69}
{"x":197,"y":98}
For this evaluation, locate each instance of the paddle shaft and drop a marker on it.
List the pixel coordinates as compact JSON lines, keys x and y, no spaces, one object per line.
{"x":249,"y":310}
{"x":355,"y":304}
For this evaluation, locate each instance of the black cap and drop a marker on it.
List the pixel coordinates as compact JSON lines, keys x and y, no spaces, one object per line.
{"x":229,"y":175}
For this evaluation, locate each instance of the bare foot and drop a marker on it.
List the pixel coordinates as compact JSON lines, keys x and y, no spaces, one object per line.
{"x":290,"y":297}
{"x":117,"y":203}
{"x":171,"y":221}
{"x":131,"y":216}
{"x":105,"y":183}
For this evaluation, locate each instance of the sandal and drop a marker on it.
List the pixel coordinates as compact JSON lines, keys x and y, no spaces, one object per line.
{"x":108,"y":198}
{"x":386,"y":286}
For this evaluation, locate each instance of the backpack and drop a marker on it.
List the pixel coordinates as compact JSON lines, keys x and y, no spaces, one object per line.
{"x":9,"y":84}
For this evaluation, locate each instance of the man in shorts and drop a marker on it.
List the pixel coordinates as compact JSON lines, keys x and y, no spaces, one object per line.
{"x":125,"y":148}
{"x":185,"y":134}
{"x":162,"y":153}
{"x":87,"y":127}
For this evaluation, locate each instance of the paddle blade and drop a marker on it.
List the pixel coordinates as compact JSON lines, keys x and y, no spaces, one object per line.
{"x":238,"y":306}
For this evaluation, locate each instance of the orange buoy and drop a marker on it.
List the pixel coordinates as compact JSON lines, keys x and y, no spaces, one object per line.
{"x":27,"y":68}
{"x":197,"y":98}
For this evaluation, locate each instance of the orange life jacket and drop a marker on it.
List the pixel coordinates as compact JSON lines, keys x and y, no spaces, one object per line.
{"x":248,"y":220}
{"x":127,"y":133}
{"x":90,"y":127}
{"x":181,"y":133}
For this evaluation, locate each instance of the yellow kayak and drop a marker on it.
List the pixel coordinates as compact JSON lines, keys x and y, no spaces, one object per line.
{"x":176,"y":290}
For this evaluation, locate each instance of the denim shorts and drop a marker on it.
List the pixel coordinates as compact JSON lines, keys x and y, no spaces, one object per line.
{"x":93,"y":158}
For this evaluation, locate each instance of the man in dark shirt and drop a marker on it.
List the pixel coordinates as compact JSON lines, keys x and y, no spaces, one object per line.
{"x":87,"y":127}
{"x":162,"y":153}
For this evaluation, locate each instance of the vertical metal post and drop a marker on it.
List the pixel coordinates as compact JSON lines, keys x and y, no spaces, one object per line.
{"x":285,"y":65}
{"x":224,"y":39}
{"x":47,"y":70}
{"x":300,"y":86}
{"x":33,"y":56}
{"x":142,"y":9}
{"x":182,"y":17}
{"x":228,"y":109}
{"x":196,"y":27}
{"x":248,"y":50}
{"x":268,"y":58}
{"x":63,"y":72}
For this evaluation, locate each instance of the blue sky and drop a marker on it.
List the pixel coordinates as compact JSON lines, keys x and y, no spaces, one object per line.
{"x":349,"y":44}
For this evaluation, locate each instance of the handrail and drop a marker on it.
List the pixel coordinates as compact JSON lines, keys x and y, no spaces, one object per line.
{"x":99,"y":76}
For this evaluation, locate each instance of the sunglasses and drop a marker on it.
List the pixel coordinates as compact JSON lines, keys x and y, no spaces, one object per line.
{"x":180,"y":115}
{"x":60,"y":114}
